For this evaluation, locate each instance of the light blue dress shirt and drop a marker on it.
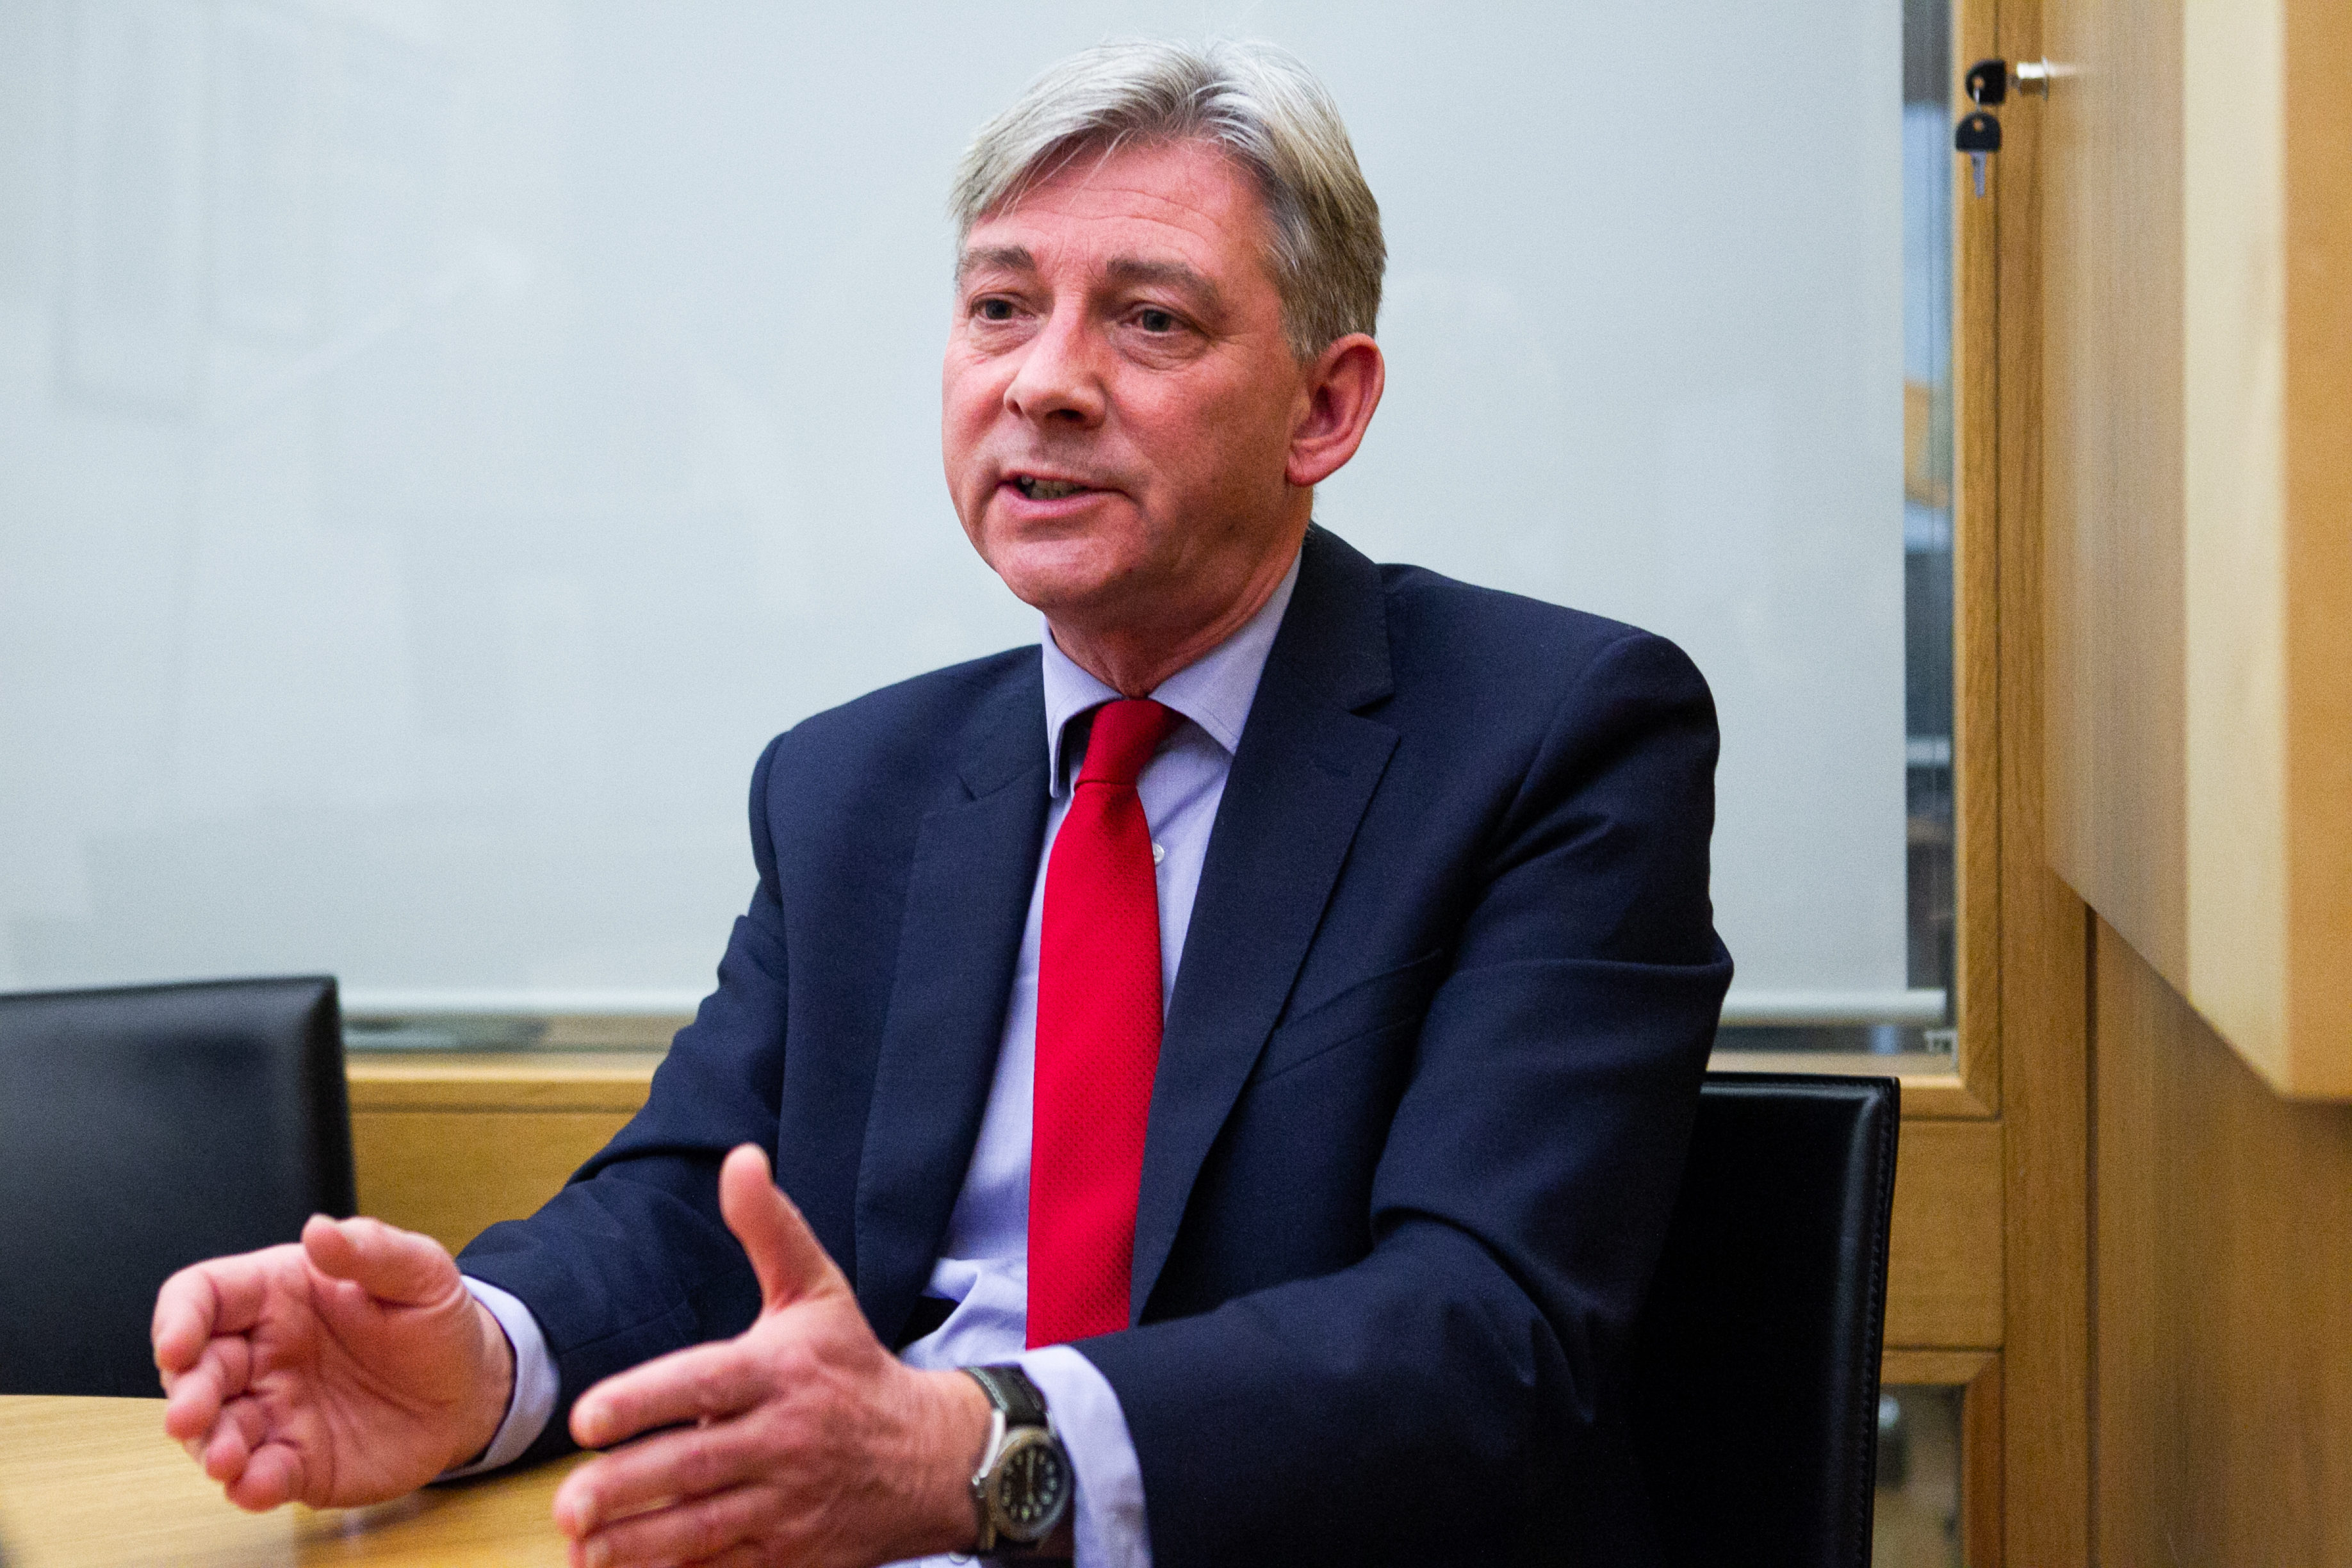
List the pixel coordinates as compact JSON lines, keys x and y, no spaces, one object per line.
{"x":984,"y":1262}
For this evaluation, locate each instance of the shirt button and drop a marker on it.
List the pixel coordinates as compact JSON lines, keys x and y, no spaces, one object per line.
{"x":1159,"y":852}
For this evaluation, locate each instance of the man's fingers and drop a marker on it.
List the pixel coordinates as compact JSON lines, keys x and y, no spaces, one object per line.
{"x":186,"y":1309}
{"x":235,"y":1438}
{"x":274,"y":1475}
{"x":695,"y":1531}
{"x":703,"y":1381}
{"x":785,"y":1254}
{"x":742,"y":1554}
{"x":692,"y":1462}
{"x":221,"y":1297}
{"x":198,"y":1395}
{"x":193,"y":1407}
{"x":392,"y":1265}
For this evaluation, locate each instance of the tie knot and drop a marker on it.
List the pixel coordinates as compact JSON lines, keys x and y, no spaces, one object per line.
{"x":1125,"y":735}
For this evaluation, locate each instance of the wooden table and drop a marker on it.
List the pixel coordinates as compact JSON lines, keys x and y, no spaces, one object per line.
{"x":94,"y":1483}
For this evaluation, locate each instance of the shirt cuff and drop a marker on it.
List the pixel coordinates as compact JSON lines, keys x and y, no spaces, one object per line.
{"x":535,"y":1383}
{"x":1110,"y":1531}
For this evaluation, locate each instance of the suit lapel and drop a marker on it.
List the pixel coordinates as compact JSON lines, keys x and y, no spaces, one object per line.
{"x":966,"y":898}
{"x":1305,"y":771}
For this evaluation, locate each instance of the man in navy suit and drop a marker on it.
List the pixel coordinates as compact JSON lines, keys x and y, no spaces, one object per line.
{"x":1420,"y":1038}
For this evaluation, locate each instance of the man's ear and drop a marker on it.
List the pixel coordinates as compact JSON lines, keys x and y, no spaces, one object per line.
{"x":1341,"y":389}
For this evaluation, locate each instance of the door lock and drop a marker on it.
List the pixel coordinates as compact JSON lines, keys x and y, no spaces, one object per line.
{"x":1988,"y":84}
{"x":1988,"y":81}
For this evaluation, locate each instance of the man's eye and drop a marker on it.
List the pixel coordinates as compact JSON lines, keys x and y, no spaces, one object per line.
{"x":1155,"y":321}
{"x":994,"y":310}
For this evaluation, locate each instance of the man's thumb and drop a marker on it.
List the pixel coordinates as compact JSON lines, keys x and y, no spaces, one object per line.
{"x":785,"y":1254}
{"x":392,"y":1265}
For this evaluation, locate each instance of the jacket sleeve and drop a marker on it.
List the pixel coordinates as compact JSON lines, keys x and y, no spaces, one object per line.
{"x":1452,"y":1396}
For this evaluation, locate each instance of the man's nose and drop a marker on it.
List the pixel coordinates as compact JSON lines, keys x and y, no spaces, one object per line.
{"x":1060,"y":380}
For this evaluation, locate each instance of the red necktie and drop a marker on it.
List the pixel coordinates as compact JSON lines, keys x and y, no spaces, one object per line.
{"x":1098,"y":1035}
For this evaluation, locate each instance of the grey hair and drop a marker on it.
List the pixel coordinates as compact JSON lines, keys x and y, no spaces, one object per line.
{"x":1254,"y":101}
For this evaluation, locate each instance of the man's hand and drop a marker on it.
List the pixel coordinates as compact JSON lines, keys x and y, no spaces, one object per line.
{"x":347,"y":1368}
{"x":803,"y":1440}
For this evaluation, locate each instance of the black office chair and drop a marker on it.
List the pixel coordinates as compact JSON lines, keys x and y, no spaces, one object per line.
{"x":144,"y":1129}
{"x":1755,"y":1382}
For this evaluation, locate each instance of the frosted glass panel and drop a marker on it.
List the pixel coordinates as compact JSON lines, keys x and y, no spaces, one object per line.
{"x":439,"y":445}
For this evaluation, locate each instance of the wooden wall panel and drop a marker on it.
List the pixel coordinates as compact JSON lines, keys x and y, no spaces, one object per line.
{"x":1983,"y":1533}
{"x":2233,"y":956}
{"x":2223,"y":1270}
{"x":453,"y":1173}
{"x":1944,"y":1255}
{"x":1978,"y":497}
{"x":2111,"y":368}
{"x":449,"y":1145}
{"x":2045,"y":1488}
{"x":2319,"y":336}
{"x":2198,"y":371}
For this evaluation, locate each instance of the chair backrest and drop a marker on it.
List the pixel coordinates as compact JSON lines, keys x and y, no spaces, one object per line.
{"x":1754,"y":1394}
{"x":141,"y":1129}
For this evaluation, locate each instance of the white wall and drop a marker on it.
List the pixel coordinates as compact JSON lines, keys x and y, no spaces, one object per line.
{"x":439,"y":444}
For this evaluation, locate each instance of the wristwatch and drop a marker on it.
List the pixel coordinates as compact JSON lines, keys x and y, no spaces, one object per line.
{"x":1023,"y":1487}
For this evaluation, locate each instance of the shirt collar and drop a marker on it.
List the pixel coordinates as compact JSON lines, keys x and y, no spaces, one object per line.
{"x":1214,"y":692}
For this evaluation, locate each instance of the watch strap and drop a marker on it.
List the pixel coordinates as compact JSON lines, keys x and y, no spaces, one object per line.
{"x":1009,"y":1390}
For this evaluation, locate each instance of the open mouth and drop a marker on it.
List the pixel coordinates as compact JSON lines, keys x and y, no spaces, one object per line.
{"x":1047,"y":490}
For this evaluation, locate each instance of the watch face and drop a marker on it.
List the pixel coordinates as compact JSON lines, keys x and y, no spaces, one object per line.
{"x":1031,"y":1486}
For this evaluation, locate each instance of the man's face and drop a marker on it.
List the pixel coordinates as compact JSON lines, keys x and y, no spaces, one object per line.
{"x":1118,"y":397}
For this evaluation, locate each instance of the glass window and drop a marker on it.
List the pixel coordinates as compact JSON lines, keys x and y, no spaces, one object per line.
{"x":1930,"y":883}
{"x":435,"y":456}
{"x":1915,"y":1522}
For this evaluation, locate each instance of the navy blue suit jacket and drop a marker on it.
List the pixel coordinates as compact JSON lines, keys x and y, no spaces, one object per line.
{"x":1423,"y":1101}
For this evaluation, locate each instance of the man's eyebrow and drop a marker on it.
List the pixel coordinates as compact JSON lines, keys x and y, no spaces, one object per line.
{"x":1125,"y":270}
{"x":1171,"y":274}
{"x":995,"y":257}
